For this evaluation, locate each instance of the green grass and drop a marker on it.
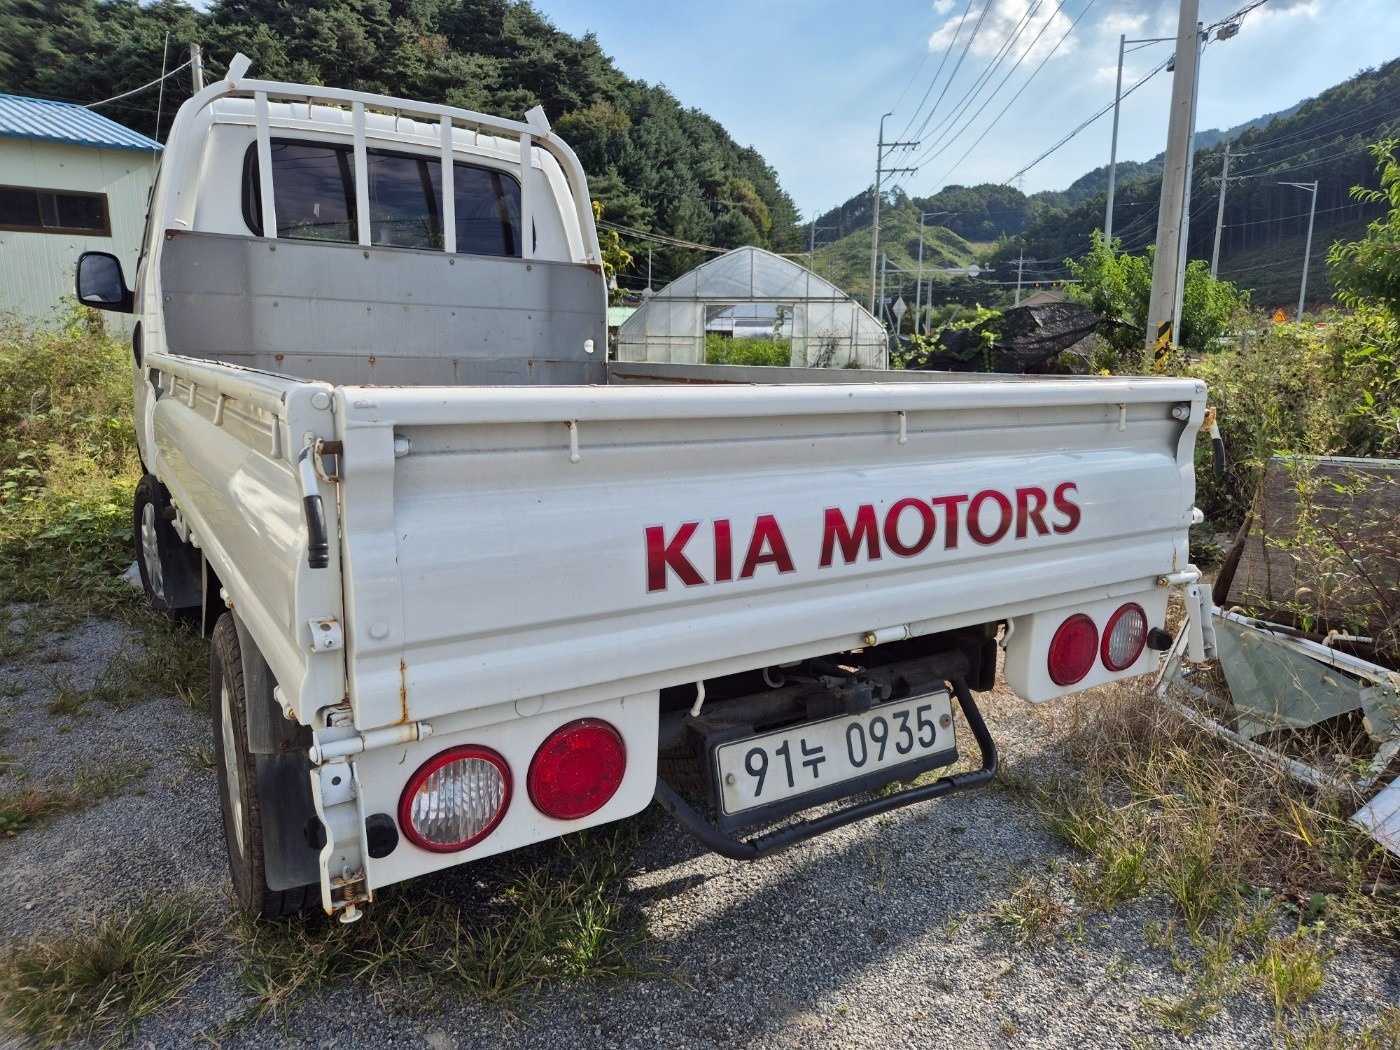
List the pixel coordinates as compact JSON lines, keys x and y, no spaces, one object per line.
{"x":1033,"y":914}
{"x":165,"y":659}
{"x":28,"y":805}
{"x":552,"y":912}
{"x":1261,"y":872}
{"x":96,"y":982}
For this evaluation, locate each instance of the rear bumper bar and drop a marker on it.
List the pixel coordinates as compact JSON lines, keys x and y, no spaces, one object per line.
{"x":765,"y":845}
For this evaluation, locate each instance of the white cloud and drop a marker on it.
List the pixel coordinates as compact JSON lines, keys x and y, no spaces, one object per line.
{"x":942,"y":7}
{"x":1040,"y":21}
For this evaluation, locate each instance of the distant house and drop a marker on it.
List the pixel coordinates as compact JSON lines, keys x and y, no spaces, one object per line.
{"x":70,"y":181}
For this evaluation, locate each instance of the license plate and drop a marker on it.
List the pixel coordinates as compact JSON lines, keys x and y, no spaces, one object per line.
{"x":760,"y":771}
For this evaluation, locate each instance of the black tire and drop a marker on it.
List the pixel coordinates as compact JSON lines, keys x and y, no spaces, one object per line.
{"x":238,"y":794}
{"x":167,"y":575}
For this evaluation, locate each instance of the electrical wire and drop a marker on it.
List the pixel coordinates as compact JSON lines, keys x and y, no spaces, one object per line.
{"x":972,"y":37}
{"x":940,"y":130}
{"x":995,"y":120}
{"x":1086,"y":123}
{"x":937,"y":73}
{"x":125,"y":94}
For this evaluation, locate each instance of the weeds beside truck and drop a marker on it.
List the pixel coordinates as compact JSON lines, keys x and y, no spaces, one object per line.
{"x":471,"y":587}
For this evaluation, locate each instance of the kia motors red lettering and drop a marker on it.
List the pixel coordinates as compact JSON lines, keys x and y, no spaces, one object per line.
{"x":908,"y":528}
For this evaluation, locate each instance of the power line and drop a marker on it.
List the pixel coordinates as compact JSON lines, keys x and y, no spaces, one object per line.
{"x":1022,"y":88}
{"x":940,"y":130}
{"x":1086,"y":123}
{"x":954,"y":74}
{"x":143,"y":87}
{"x":937,"y":73}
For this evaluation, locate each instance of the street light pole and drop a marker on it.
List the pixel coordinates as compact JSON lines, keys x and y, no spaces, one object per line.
{"x":919,"y":288}
{"x":1113,"y":149}
{"x":1185,"y":242}
{"x":1307,"y":251}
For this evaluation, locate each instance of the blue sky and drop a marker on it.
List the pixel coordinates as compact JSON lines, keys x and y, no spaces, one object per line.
{"x":805,"y":81}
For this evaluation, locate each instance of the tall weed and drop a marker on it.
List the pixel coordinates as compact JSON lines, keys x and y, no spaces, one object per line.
{"x":68,"y":461}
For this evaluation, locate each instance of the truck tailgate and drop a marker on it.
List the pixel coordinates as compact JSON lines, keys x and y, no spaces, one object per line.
{"x":509,"y":544}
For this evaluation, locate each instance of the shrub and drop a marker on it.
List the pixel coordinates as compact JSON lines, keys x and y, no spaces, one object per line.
{"x":68,"y":459}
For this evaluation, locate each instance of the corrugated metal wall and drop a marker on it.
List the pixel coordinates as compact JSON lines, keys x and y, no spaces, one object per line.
{"x":36,"y":269}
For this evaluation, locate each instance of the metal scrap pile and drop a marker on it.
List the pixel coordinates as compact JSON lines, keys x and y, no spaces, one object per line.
{"x":1307,"y":631}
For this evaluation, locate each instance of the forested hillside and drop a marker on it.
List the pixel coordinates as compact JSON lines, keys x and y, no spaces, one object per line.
{"x":1265,"y":222}
{"x":1324,"y":140}
{"x":653,"y":164}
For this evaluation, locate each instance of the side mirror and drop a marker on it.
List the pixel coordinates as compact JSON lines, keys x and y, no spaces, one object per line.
{"x":101,"y":284}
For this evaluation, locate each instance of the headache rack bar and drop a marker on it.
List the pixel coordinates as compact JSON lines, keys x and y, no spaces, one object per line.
{"x":531,"y":133}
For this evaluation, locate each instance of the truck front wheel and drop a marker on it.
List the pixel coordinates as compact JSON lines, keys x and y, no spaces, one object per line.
{"x":238,"y":793}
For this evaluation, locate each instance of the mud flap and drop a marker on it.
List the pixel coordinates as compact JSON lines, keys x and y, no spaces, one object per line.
{"x":280,"y":754}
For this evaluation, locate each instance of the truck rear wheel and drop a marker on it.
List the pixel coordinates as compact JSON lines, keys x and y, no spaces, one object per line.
{"x":238,"y":794}
{"x":167,"y":575}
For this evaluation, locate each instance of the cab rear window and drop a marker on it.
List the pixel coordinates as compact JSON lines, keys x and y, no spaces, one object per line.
{"x":313,"y":188}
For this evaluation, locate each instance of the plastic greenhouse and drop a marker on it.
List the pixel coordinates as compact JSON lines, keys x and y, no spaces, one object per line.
{"x":754,"y":291}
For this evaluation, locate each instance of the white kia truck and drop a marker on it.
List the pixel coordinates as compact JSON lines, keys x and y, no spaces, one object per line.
{"x":472,"y":587}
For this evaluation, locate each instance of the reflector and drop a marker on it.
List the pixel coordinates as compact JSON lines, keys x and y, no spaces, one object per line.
{"x":577,"y":769}
{"x":1073,"y":649}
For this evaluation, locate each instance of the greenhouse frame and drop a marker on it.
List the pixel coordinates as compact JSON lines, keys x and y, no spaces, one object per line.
{"x":823,"y":326}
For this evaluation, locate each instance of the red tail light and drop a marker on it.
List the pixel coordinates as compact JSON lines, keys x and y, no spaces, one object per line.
{"x":577,"y":769}
{"x":455,"y":799}
{"x":1124,"y":637}
{"x":1073,"y":650}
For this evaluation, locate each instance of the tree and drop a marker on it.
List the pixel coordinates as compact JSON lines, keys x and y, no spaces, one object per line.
{"x":1367,"y":272}
{"x":1117,"y":286}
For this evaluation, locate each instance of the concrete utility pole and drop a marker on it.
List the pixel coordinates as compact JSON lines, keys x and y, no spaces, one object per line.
{"x":197,"y":67}
{"x":1020,"y":266}
{"x":1220,"y":212}
{"x":1307,"y":251}
{"x":881,"y":151}
{"x":1166,"y":274}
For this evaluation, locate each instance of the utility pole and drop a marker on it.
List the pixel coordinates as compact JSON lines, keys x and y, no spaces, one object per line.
{"x":884,"y":266}
{"x":1184,"y":243}
{"x":197,"y":67}
{"x":881,"y":151}
{"x":1220,"y":212}
{"x":1307,"y":251}
{"x":1166,"y":273}
{"x":1112,"y":154}
{"x":1113,"y":147}
{"x":1020,"y":266}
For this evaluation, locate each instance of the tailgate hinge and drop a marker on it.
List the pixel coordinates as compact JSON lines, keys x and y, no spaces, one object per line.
{"x":326,"y":457}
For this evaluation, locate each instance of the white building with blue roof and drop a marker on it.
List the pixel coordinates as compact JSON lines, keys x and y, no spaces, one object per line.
{"x":70,"y":181}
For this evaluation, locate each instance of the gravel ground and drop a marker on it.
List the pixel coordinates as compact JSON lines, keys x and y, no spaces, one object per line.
{"x":879,"y":935}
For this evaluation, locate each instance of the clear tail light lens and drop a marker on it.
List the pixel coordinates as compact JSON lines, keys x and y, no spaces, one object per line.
{"x":1073,"y":650}
{"x":1124,"y":637}
{"x":577,"y":770}
{"x":455,"y":799}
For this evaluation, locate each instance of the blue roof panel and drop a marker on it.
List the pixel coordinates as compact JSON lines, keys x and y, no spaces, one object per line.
{"x":46,"y":121}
